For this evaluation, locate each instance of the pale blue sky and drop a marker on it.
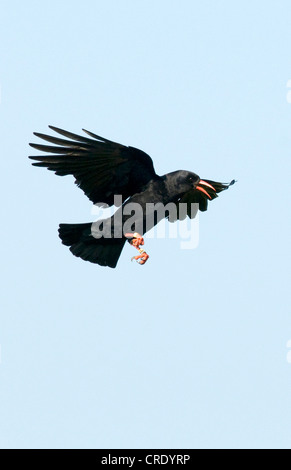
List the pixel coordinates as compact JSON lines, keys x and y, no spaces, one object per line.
{"x":190,"y":350}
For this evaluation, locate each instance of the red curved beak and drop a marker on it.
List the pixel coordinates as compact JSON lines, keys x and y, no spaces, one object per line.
{"x":203,"y":183}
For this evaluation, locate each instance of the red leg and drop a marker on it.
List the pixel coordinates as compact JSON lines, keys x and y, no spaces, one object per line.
{"x":136,"y":240}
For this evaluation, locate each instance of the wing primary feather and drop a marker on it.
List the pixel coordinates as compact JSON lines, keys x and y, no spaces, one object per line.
{"x":70,"y":135}
{"x":98,"y":137}
{"x":65,"y":150}
{"x":63,"y":142}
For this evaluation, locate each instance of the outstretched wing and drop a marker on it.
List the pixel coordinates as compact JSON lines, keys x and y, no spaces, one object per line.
{"x":101,"y":168}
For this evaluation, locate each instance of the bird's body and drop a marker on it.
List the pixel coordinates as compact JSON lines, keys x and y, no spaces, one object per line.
{"x":112,"y":174}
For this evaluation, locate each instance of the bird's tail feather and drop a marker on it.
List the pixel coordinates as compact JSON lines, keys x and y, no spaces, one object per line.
{"x":102,"y":251}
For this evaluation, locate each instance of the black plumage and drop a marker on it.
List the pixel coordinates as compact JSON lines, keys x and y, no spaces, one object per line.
{"x":104,"y":169}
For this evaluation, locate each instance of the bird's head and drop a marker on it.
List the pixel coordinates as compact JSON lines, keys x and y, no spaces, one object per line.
{"x":182,"y":181}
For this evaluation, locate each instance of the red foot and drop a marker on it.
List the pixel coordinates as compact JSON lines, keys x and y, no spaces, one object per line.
{"x":136,"y":241}
{"x":142,"y":258}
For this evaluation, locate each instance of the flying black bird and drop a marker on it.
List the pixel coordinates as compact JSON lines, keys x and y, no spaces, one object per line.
{"x":104,"y":170}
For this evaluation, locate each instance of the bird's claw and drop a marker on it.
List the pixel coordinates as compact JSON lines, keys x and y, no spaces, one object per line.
{"x":135,"y":239}
{"x":142,"y":258}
